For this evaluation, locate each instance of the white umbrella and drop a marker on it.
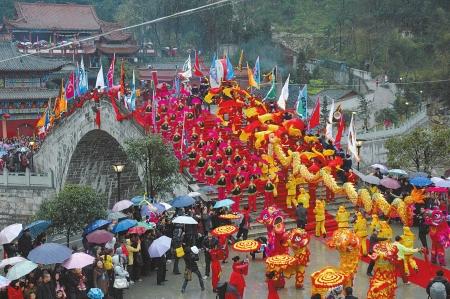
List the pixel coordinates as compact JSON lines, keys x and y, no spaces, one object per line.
{"x":381,"y":167}
{"x":166,"y":205}
{"x":194,"y":194}
{"x":397,"y":172}
{"x":443,"y":183}
{"x":9,"y":233}
{"x":4,"y":282}
{"x":159,"y":246}
{"x":122,"y":205}
{"x":371,"y":179}
{"x":436,"y":179}
{"x":184,"y":220}
{"x":11,"y":261}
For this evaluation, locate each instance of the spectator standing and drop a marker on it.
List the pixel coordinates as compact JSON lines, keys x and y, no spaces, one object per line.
{"x":439,"y":286}
{"x":301,"y":214}
{"x":373,"y":240}
{"x":190,"y":259}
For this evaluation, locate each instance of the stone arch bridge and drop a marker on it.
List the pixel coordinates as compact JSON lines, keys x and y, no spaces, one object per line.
{"x":76,"y":151}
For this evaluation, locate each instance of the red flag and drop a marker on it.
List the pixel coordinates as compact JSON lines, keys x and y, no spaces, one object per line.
{"x":155,"y":79}
{"x":197,"y":68}
{"x":314,"y":121}
{"x":110,"y":75}
{"x":70,"y":87}
{"x":122,"y":78}
{"x":337,"y":140}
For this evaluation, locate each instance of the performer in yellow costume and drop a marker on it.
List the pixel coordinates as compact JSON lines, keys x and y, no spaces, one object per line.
{"x":319,"y":212}
{"x":303,"y":198}
{"x":408,"y":241}
{"x":291,"y":187}
{"x":360,"y":229}
{"x":342,"y":217}
{"x":374,"y":224}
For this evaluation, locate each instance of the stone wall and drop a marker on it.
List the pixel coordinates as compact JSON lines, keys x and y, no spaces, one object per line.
{"x":18,"y":204}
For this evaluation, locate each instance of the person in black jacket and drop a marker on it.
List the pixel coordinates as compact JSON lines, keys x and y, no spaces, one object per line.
{"x":441,"y":279}
{"x":177,"y":241}
{"x":46,"y":289}
{"x":424,"y":229}
{"x":372,"y":241}
{"x":190,"y":259}
{"x":161,"y":272}
{"x":349,"y":293}
{"x":25,"y":243}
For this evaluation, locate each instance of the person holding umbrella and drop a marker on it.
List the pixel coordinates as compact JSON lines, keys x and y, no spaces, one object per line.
{"x":25,"y":243}
{"x":133,"y":247}
{"x":190,"y":259}
{"x":15,"y":290}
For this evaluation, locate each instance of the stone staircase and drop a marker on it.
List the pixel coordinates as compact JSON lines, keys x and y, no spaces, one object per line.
{"x":258,"y":229}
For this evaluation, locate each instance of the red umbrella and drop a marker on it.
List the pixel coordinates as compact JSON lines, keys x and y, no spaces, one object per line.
{"x":99,"y":237}
{"x":390,"y":183}
{"x":140,"y":230}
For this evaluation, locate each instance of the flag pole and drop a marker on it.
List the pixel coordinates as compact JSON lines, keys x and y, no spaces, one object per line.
{"x":183,"y":134}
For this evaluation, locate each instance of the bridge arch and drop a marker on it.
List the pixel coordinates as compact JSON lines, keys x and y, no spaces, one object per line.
{"x":76,"y":151}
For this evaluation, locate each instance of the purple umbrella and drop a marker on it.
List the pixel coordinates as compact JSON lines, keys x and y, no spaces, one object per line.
{"x":78,"y":260}
{"x":99,"y":237}
{"x":122,"y":205}
{"x":390,"y":183}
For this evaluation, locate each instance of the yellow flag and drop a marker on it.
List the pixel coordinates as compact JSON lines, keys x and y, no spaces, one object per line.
{"x":241,"y":60}
{"x":251,"y":79}
{"x":41,"y":121}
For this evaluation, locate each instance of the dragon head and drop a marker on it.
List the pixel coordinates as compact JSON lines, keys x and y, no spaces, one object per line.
{"x":298,"y":238}
{"x":344,"y":240}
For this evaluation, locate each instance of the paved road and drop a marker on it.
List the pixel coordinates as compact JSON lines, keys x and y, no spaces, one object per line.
{"x":256,"y":288}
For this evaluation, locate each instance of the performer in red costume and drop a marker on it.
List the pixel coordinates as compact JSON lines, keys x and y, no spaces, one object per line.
{"x":223,"y":244}
{"x":251,"y":190}
{"x":217,"y":255}
{"x":236,"y":196}
{"x":237,"y":277}
{"x":269,"y":190}
{"x":271,"y":285}
{"x":210,"y":173}
{"x":221,"y":185}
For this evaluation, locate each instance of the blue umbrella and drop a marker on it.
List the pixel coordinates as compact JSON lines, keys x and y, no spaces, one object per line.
{"x":49,"y":253}
{"x":96,"y":225}
{"x":182,"y":201}
{"x":420,"y":181}
{"x":223,"y":203}
{"x":95,"y":293}
{"x":124,"y":225}
{"x":159,"y":207}
{"x":38,"y":227}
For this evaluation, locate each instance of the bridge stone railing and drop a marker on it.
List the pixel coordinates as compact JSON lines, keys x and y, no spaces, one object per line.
{"x":26,"y":179}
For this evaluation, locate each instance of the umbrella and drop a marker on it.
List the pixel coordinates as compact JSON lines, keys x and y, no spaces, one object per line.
{"x":182,"y":201}
{"x":23,"y":149}
{"x":418,"y":174}
{"x":122,"y":205}
{"x":147,"y":225}
{"x":139,"y":230}
{"x":184,"y":220}
{"x":95,"y":293}
{"x":168,"y":206}
{"x":38,"y":227}
{"x":371,"y":179}
{"x":4,"y":282}
{"x":420,"y":181}
{"x":381,"y":167}
{"x":124,"y":225}
{"x":159,"y":246}
{"x":437,"y":189}
{"x":116,"y":216}
{"x":96,"y":225}
{"x":194,"y":194}
{"x":137,"y":200}
{"x":20,"y":270}
{"x":208,"y":189}
{"x":11,"y":261}
{"x":390,"y":183}
{"x":49,"y":253}
{"x":159,"y":207}
{"x":148,"y":210}
{"x":443,"y":183}
{"x":9,"y":233}
{"x":223,"y":203}
{"x":397,"y":172}
{"x":99,"y":237}
{"x":78,"y":260}
{"x":436,"y":179}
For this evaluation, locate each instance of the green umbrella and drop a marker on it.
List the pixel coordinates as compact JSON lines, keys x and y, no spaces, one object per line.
{"x":20,"y":270}
{"x":146,"y":225}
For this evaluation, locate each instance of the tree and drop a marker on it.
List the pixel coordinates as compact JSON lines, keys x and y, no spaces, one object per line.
{"x":301,"y":71}
{"x":160,"y":164}
{"x":420,"y":150}
{"x":73,"y":208}
{"x":385,"y":115}
{"x":364,"y":112}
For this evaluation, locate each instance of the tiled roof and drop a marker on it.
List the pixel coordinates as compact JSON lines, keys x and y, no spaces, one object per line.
{"x":26,"y":63}
{"x":115,"y":36}
{"x":27,"y":94}
{"x":118,"y":48}
{"x":53,"y":16}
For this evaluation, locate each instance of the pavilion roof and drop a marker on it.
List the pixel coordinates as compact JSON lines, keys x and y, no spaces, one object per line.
{"x":52,"y":16}
{"x":27,"y":94}
{"x":9,"y":50}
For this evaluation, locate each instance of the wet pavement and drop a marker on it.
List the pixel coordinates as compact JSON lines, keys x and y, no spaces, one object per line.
{"x":256,"y":288}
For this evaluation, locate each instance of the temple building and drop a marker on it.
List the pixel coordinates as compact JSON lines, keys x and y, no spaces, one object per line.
{"x":39,"y":27}
{"x":24,"y":91}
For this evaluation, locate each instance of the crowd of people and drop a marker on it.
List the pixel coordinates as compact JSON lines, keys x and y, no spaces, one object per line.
{"x":16,"y":153}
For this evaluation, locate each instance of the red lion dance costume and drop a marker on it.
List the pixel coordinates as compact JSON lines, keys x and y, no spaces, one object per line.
{"x":439,"y":234}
